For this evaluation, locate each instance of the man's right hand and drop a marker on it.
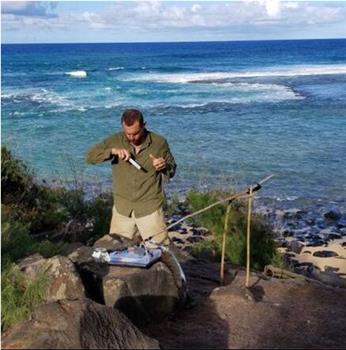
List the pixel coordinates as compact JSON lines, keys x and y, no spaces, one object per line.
{"x":122,"y":153}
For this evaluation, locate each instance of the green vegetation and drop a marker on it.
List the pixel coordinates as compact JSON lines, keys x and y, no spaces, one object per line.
{"x":262,"y":244}
{"x":19,"y":295}
{"x":36,"y":218}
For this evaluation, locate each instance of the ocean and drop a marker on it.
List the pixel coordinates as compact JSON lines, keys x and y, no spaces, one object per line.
{"x":232,"y":112}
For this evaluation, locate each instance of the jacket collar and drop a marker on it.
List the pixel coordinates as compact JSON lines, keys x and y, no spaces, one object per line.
{"x":145,"y":144}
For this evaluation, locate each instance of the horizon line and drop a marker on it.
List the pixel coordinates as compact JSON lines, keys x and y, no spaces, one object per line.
{"x":171,"y":42}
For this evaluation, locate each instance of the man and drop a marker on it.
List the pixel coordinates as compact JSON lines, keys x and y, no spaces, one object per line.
{"x":137,"y":191}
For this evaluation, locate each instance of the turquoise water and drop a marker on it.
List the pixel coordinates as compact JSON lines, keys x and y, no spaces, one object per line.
{"x":233,"y":112}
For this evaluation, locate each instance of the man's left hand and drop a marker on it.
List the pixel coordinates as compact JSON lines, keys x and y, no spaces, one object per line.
{"x":158,"y":163}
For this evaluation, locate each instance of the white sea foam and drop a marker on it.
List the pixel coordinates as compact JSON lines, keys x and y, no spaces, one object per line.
{"x":271,"y":90}
{"x":77,"y":73}
{"x":209,"y":77}
{"x":116,"y":68}
{"x":40,"y":96}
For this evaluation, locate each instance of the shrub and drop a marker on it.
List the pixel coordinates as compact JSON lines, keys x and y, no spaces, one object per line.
{"x":15,"y":177}
{"x":172,"y":205}
{"x":17,"y":243}
{"x":20,"y":295}
{"x":48,"y":248}
{"x":206,"y":250}
{"x":99,"y":213}
{"x":262,"y":243}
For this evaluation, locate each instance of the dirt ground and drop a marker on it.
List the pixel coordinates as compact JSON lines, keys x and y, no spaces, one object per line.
{"x":291,"y":313}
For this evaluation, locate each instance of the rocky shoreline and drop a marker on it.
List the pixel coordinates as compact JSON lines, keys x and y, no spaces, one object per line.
{"x":313,"y":244}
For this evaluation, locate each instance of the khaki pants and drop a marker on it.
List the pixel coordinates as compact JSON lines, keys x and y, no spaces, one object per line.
{"x":147,"y":226}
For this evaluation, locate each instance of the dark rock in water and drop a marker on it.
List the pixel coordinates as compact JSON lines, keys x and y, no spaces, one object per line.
{"x":314,"y":243}
{"x":309,"y":236}
{"x":334,"y":236}
{"x":183,"y":209}
{"x":182,"y":231}
{"x":300,"y":238}
{"x":175,"y":228}
{"x":321,"y":224}
{"x":79,"y":324}
{"x":310,"y":221}
{"x":296,"y":246}
{"x":325,"y":254}
{"x":177,"y":240}
{"x":194,"y":239}
{"x":332,"y":215}
{"x":294,"y":214}
{"x":281,"y":242}
{"x":288,"y":233}
{"x":342,"y":231}
{"x":175,"y":218}
{"x":200,"y":231}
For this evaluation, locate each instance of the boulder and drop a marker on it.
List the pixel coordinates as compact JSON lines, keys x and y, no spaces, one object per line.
{"x":144,"y":295}
{"x":325,"y":254}
{"x":295,"y":246}
{"x":80,"y":324}
{"x":332,"y":215}
{"x":64,"y":280}
{"x":328,"y":277}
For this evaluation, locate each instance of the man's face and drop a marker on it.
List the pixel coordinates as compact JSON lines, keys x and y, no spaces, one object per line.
{"x":134,"y":133}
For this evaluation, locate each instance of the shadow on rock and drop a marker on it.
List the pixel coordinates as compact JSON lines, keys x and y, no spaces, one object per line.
{"x":198,"y":327}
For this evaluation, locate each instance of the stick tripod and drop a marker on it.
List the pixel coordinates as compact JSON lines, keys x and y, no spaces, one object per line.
{"x":246,"y":194}
{"x":249,"y":193}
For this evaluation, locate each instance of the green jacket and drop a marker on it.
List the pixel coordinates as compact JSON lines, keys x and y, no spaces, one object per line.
{"x":135,"y":189}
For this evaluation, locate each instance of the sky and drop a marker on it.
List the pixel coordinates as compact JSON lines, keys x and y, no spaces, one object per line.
{"x":170,"y":21}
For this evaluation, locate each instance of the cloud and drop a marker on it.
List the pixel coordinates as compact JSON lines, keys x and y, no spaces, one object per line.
{"x":149,"y":14}
{"x":29,"y":8}
{"x":144,"y":18}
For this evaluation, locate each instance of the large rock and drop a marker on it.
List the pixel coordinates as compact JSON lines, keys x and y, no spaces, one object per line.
{"x":64,"y":280}
{"x":80,"y":324}
{"x":144,"y":295}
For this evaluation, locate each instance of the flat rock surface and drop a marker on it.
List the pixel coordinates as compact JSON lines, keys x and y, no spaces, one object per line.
{"x":291,"y":313}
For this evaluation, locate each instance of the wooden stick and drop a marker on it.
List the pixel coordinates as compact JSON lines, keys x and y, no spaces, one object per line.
{"x":244,"y":194}
{"x":248,"y":240}
{"x":237,"y":195}
{"x":225,"y":229}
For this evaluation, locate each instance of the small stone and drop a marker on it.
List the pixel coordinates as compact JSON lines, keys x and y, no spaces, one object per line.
{"x":325,"y":254}
{"x":194,"y":239}
{"x":332,"y":215}
{"x":177,"y":240}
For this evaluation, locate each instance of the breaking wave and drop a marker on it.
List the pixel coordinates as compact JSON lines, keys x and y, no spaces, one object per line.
{"x":212,"y":77}
{"x":77,"y":73}
{"x":116,"y":68}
